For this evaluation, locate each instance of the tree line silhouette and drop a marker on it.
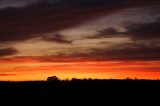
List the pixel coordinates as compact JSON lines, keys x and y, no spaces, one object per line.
{"x":80,"y":92}
{"x":55,"y":78}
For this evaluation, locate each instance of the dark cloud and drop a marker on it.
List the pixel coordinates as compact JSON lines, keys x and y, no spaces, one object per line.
{"x":139,"y":53}
{"x":23,"y":3}
{"x":33,"y":21}
{"x":16,"y":3}
{"x":107,"y":33}
{"x":145,"y":38}
{"x":7,"y":51}
{"x":144,"y":30}
{"x":82,"y":3}
{"x":137,"y":31}
{"x":58,"y":38}
{"x":75,"y":2}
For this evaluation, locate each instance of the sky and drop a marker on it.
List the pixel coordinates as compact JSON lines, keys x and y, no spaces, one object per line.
{"x":101,"y":39}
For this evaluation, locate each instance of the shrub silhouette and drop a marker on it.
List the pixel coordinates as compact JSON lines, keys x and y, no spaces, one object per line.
{"x":53,"y":78}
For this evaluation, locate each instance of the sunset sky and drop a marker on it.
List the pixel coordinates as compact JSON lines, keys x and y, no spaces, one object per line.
{"x":79,"y":38}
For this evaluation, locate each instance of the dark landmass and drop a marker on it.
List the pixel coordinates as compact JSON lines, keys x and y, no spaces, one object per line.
{"x":81,"y":92}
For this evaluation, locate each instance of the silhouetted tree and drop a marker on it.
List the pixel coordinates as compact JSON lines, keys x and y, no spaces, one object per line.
{"x":128,"y":78}
{"x":74,"y":79}
{"x":53,"y":78}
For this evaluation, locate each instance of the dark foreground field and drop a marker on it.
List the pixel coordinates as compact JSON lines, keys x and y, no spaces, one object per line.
{"x":83,"y":92}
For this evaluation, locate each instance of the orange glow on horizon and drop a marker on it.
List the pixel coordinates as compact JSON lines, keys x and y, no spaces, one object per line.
{"x":22,"y":71}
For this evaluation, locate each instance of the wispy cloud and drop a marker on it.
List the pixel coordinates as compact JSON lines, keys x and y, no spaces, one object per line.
{"x":7,"y":51}
{"x":3,"y":75}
